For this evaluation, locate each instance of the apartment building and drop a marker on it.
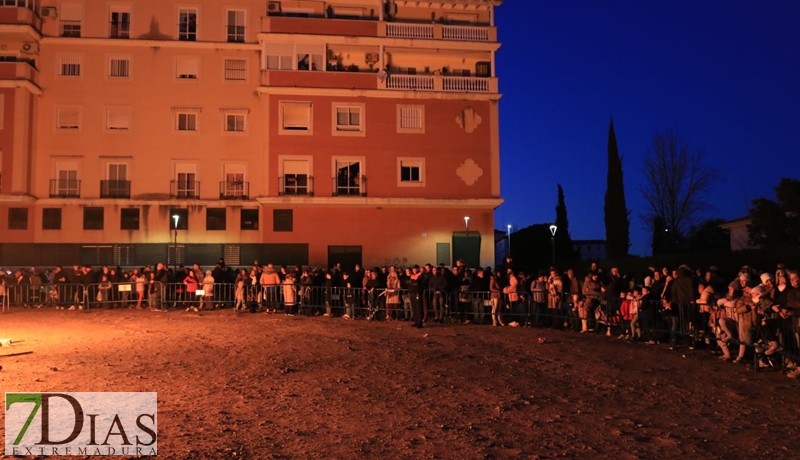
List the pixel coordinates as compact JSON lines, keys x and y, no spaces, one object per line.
{"x":291,"y":132}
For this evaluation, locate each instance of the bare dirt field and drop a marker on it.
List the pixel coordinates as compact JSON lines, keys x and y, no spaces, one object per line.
{"x":260,"y":386}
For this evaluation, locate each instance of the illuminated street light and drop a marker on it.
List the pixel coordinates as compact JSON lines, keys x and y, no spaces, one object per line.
{"x":553,"y":229}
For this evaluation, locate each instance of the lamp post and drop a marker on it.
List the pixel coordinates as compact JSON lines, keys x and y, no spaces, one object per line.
{"x":466,"y":241}
{"x":175,"y":262}
{"x":553,"y":229}
{"x":509,"y":239}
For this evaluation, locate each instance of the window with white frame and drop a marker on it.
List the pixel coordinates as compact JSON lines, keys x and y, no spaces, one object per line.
{"x":186,"y":119}
{"x":236,"y":26}
{"x":349,"y":118}
{"x":187,"y":67}
{"x":235,"y":185}
{"x":309,"y":57}
{"x":119,"y":67}
{"x":295,"y":177}
{"x":235,"y":120}
{"x":296,"y":117}
{"x":120,"y":24}
{"x":279,"y":57}
{"x":235,"y":69}
{"x":118,"y":119}
{"x":68,"y":118}
{"x":410,"y":118}
{"x":410,"y":171}
{"x":67,"y":184}
{"x":187,"y":24}
{"x":69,"y":65}
{"x":349,"y":177}
{"x":186,"y":184}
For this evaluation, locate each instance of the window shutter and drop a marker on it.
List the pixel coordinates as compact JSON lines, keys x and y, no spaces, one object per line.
{"x":188,"y":67}
{"x":68,"y":118}
{"x":296,"y":114}
{"x":118,"y":119}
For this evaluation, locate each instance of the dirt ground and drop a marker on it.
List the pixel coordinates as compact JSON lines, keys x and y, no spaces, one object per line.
{"x":260,"y":386}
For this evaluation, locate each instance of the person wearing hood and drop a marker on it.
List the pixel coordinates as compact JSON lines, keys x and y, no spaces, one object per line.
{"x":747,"y":313}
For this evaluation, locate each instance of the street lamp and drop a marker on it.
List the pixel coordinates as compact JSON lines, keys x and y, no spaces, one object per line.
{"x":466,"y":241}
{"x":553,"y":229}
{"x":509,"y":238}
{"x":175,"y":253}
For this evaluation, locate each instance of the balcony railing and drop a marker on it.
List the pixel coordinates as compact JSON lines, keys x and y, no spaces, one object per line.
{"x":70,"y":28}
{"x":119,"y":29}
{"x":441,"y":83}
{"x":296,"y":185}
{"x":349,"y":186}
{"x":234,"y":190}
{"x":65,"y":188}
{"x":400,"y":30}
{"x":410,"y":82}
{"x":465,"y":33}
{"x":439,"y":32}
{"x":115,"y":189}
{"x":184,"y":189}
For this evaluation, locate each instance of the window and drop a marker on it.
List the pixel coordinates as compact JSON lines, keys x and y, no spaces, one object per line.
{"x":295,"y":117}
{"x":129,"y":219}
{"x":187,"y":68}
{"x":68,"y":118}
{"x":249,"y":219}
{"x":234,"y":122}
{"x":411,"y":172}
{"x":410,"y":118}
{"x":234,"y":186}
{"x":282,"y":220}
{"x":118,"y":119}
{"x":276,"y":62}
{"x":70,"y":19}
{"x":348,"y":178}
{"x":348,"y":119}
{"x":70,"y":65}
{"x":236,"y":22}
{"x":183,"y":219}
{"x":295,"y":178}
{"x":235,"y":69}
{"x":116,"y":184}
{"x":185,"y":184}
{"x":215,"y":219}
{"x":120,"y":26}
{"x":187,"y":24}
{"x":66,"y":183}
{"x":185,"y":121}
{"x":120,"y":68}
{"x":17,"y":218}
{"x":93,"y":218}
{"x":51,"y":219}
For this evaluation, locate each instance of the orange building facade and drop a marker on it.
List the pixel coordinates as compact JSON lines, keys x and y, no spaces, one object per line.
{"x":290,"y":132}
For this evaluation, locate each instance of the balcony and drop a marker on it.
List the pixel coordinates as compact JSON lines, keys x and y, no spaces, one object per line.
{"x":184,"y":189}
{"x":119,"y":29}
{"x":65,"y":188}
{"x":319,"y":79}
{"x":17,"y":70}
{"x":115,"y":189}
{"x":234,"y":190}
{"x":356,"y":186}
{"x":13,"y":17}
{"x":69,"y":28}
{"x":439,"y":32}
{"x":319,"y":26}
{"x":441,"y":83}
{"x":296,"y":185}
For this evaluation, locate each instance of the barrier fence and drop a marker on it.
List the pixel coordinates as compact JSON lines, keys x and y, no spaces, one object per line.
{"x":653,"y":322}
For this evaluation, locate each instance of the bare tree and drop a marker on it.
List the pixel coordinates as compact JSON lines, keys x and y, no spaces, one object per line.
{"x":677,"y":184}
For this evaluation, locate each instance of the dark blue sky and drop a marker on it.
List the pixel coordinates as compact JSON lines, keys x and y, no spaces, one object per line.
{"x":725,"y":74}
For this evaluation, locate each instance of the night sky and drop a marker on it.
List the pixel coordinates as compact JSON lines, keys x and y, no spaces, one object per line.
{"x":725,"y":74}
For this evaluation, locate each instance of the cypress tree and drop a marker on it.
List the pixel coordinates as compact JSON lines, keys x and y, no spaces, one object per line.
{"x":617,"y":216}
{"x":563,"y":241}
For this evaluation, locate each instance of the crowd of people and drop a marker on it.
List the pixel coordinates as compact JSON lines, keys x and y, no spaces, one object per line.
{"x":757,"y":314}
